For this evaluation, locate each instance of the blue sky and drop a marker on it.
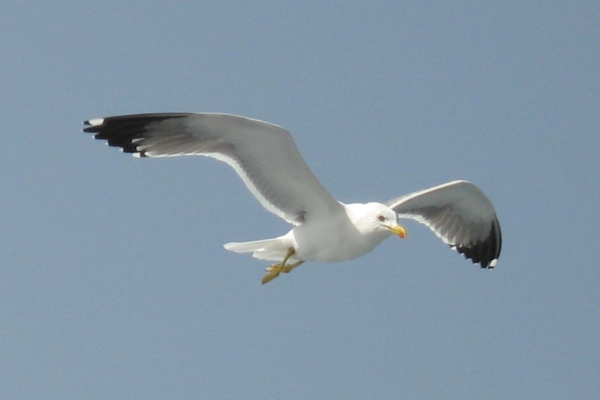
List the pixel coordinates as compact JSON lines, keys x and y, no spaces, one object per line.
{"x":114,"y":282}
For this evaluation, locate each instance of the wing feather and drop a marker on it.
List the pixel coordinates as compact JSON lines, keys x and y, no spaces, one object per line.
{"x":263,"y":155}
{"x":458,"y":213}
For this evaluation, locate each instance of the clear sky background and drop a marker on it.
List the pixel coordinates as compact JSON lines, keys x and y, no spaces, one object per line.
{"x":113,"y":280}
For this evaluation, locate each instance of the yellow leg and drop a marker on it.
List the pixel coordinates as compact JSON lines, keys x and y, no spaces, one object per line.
{"x":289,"y":267}
{"x":275,"y":269}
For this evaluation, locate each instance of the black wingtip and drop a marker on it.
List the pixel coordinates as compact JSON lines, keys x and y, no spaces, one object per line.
{"x":124,"y":130}
{"x":486,"y":252}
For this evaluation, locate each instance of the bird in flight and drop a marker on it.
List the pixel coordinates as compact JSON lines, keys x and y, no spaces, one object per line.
{"x":269,"y":163}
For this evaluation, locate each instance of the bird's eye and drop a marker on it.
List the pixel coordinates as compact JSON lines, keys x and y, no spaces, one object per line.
{"x":381,"y":218}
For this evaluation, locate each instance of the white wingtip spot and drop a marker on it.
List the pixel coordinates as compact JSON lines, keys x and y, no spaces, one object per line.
{"x":96,"y":121}
{"x":493,"y":263}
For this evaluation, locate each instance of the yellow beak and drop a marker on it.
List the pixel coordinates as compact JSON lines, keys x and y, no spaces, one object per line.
{"x":397,"y":230}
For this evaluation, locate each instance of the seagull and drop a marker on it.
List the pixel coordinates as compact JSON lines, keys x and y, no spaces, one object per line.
{"x":267,"y":160}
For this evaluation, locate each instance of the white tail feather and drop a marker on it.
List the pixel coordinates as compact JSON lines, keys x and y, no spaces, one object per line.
{"x":268,"y":249}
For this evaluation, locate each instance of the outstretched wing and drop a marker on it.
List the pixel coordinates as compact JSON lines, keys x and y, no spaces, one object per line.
{"x":264,"y":155}
{"x":459,"y":214}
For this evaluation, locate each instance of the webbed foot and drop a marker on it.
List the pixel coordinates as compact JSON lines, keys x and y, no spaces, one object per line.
{"x":275,"y":269}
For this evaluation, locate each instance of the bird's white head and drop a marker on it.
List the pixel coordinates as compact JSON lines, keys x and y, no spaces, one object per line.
{"x":375,"y":218}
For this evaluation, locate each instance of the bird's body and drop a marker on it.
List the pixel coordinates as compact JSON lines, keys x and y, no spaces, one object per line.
{"x":345,"y":236}
{"x":267,"y":160}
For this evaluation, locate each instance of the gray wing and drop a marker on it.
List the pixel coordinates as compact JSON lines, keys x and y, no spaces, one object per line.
{"x":264,"y":155}
{"x":459,"y":214}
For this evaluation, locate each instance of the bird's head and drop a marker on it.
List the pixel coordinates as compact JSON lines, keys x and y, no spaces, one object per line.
{"x":375,"y":218}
